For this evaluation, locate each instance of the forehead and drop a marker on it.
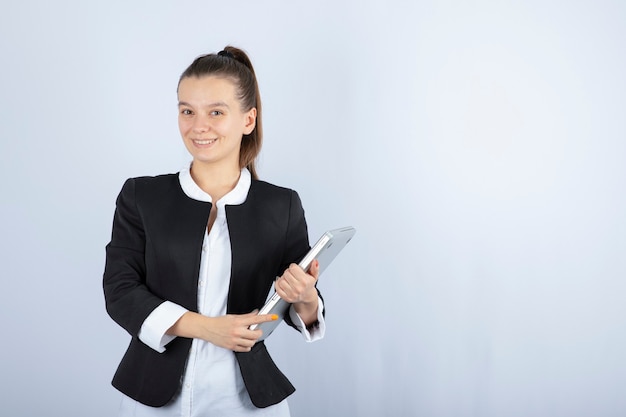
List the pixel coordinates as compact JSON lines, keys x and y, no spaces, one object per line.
{"x":202,"y":90}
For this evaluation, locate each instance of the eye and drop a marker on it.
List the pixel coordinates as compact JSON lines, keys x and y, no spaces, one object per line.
{"x":186,"y":112}
{"x":216,"y":113}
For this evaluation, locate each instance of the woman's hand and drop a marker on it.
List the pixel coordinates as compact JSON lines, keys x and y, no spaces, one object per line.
{"x":229,"y":332}
{"x":297,"y":287}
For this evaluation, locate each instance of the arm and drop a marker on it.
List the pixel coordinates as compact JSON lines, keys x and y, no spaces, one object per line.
{"x":128,"y":299}
{"x":229,"y":332}
{"x":296,"y":286}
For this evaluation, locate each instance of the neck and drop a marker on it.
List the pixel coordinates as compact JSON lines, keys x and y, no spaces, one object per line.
{"x":213,"y":180}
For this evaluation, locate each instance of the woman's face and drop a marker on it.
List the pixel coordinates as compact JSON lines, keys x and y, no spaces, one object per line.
{"x":211,"y":121}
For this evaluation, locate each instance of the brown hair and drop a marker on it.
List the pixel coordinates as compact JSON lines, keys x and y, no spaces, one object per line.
{"x":234,"y":64}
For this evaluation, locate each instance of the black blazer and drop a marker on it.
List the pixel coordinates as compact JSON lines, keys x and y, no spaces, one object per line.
{"x":154,"y":255}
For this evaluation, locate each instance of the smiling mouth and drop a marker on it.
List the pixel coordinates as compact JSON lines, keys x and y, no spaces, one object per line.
{"x":205,"y":142}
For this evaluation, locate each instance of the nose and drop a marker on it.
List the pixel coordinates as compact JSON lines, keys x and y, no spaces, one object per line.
{"x":201,"y":124}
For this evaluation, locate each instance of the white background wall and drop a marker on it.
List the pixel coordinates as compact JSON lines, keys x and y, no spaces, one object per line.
{"x":478,"y":147}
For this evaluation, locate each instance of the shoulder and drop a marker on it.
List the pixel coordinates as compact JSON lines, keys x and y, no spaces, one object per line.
{"x":153,"y":186}
{"x":274,"y":197}
{"x":268,"y":188}
{"x":154,"y":183}
{"x":270,"y":192}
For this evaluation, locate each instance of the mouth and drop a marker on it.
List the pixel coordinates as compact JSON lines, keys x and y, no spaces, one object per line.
{"x":204,"y":142}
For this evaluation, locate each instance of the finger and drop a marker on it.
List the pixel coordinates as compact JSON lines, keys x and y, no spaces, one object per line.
{"x":288,"y":289}
{"x":296,"y":271}
{"x":279,"y":287}
{"x":286,"y":281}
{"x":263,"y":318}
{"x":303,"y":278}
{"x":245,"y":345}
{"x":296,"y":278}
{"x":315,"y":269}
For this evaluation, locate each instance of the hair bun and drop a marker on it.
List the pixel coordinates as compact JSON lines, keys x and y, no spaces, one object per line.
{"x":226,"y":54}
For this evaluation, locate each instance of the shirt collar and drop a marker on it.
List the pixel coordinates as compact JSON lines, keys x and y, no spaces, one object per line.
{"x":235,"y":196}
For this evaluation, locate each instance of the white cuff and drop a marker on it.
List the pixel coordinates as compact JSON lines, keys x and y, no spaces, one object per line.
{"x":153,"y":329}
{"x":315,"y":333}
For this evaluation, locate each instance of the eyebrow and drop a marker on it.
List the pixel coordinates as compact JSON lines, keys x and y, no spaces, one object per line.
{"x":215,"y":104}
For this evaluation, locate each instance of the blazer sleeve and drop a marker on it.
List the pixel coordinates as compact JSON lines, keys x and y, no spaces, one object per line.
{"x":128,"y":299}
{"x":297,"y":243}
{"x":297,"y":237}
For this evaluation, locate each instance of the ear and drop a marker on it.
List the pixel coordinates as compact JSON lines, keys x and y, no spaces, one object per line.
{"x":250,"y":121}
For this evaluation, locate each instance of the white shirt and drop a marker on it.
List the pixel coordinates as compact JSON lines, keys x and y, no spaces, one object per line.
{"x":212,"y":382}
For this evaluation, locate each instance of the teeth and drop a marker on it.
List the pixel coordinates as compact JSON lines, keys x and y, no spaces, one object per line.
{"x":205,"y":142}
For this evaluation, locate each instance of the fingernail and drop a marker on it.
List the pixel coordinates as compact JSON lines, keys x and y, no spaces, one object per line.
{"x":274,"y":316}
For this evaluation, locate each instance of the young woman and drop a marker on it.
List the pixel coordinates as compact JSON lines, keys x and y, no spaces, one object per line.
{"x":194,"y":254}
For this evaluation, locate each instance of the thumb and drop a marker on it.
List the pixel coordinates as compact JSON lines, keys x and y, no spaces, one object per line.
{"x":315,"y":269}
